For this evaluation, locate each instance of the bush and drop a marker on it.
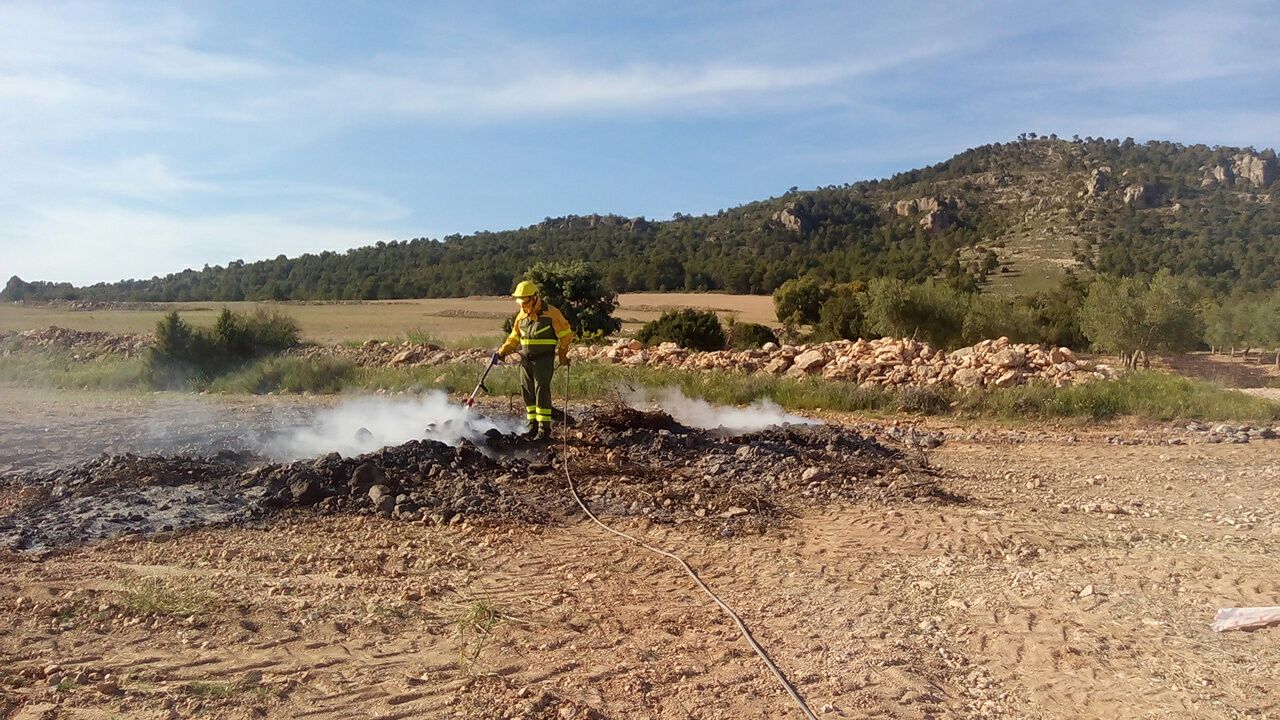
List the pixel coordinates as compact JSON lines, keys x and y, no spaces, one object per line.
{"x":183,"y":354}
{"x":842,"y":318}
{"x":748,"y":336}
{"x":692,"y":329}
{"x":578,"y":291}
{"x":992,"y":317}
{"x":931,"y":311}
{"x":799,"y":301}
{"x":1128,"y":316}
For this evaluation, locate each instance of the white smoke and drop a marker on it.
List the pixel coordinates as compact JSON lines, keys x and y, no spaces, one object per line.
{"x":697,"y":413}
{"x":371,"y":423}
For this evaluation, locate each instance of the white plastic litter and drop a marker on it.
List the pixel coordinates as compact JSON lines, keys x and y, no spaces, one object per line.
{"x":1247,"y":618}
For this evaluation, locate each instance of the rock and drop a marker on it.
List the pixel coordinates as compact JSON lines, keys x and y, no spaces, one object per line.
{"x":405,"y":357}
{"x":378,"y":492}
{"x":366,"y":476}
{"x":967,"y":378}
{"x":1218,"y":174}
{"x":306,"y":491}
{"x":363,"y":435}
{"x":777,"y":366}
{"x":809,"y":362}
{"x":252,"y":678}
{"x":927,"y":204}
{"x":384,"y":505}
{"x":1139,"y":196}
{"x":1009,"y":358}
{"x":793,"y":218}
{"x":1086,"y":591}
{"x":937,"y":220}
{"x":1008,"y":379}
{"x":108,"y":687}
{"x":1098,"y":182}
{"x":1253,"y":169}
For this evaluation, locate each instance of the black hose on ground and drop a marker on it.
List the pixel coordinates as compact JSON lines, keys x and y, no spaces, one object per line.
{"x":742,"y":627}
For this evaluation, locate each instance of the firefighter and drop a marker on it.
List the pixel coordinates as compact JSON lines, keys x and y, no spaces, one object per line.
{"x":541,"y":334}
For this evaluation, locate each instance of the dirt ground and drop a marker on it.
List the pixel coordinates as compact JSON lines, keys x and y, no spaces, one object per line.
{"x":1077,"y":578}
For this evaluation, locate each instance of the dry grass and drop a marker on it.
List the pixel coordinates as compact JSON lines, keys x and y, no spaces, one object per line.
{"x":448,"y":319}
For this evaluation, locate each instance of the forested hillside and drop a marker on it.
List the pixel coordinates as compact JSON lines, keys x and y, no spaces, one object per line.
{"x":1027,"y":210}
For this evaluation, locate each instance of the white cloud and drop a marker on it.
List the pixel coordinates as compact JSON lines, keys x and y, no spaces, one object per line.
{"x":93,"y":243}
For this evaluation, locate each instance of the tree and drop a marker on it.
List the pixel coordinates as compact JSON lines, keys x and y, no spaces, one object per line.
{"x":799,"y":301}
{"x":843,"y":316}
{"x":991,"y":317}
{"x":578,"y":290}
{"x":688,"y":328}
{"x":930,"y":310}
{"x":748,"y":335}
{"x":1225,"y":325}
{"x":14,"y":290}
{"x":1131,"y":318}
{"x":1269,"y":325}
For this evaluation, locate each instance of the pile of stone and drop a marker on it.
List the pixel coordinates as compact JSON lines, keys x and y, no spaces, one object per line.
{"x":1233,"y":434}
{"x":86,"y":344}
{"x":886,"y":362}
{"x":376,"y":353}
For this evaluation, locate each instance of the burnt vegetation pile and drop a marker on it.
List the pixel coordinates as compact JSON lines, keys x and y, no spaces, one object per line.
{"x":626,"y":463}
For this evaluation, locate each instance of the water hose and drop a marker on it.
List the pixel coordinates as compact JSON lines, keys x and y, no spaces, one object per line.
{"x":742,"y":627}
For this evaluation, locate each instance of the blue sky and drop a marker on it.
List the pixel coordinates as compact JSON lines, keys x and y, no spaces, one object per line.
{"x":143,"y":138}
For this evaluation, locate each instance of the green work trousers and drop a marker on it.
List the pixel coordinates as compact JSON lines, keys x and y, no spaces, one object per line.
{"x":535,"y":385}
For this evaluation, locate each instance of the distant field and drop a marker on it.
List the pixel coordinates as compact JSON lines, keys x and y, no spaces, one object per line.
{"x":473,"y":320}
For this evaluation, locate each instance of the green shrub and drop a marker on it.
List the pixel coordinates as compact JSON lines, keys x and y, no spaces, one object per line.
{"x":578,"y":291}
{"x":692,"y":329}
{"x":184,"y":355}
{"x":747,"y":336}
{"x":842,"y":318}
{"x":799,"y":301}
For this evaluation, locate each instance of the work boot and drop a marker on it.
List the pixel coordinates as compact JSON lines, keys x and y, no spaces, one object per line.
{"x":531,"y":433}
{"x":544,"y":432}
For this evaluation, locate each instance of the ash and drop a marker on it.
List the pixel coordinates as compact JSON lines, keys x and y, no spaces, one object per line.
{"x":627,"y":463}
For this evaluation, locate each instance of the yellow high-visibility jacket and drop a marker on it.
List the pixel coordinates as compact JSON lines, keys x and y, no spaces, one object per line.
{"x":539,"y":332}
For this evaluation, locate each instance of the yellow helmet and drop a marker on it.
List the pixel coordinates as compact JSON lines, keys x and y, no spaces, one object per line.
{"x":525,"y":289}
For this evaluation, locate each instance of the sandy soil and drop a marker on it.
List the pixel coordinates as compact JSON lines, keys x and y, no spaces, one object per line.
{"x":1077,"y":580}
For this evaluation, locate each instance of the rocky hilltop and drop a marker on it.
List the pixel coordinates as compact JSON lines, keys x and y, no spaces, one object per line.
{"x":1013,"y":216}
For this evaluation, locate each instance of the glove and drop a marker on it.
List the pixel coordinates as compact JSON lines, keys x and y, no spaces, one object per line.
{"x":564,"y":359}
{"x":495,"y":359}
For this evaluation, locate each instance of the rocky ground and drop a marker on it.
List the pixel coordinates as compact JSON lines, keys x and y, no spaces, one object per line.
{"x":1022,"y":573}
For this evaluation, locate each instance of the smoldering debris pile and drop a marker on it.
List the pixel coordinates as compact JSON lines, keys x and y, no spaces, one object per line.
{"x":626,"y":463}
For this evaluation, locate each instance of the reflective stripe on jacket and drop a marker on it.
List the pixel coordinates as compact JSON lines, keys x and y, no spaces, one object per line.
{"x":539,"y":332}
